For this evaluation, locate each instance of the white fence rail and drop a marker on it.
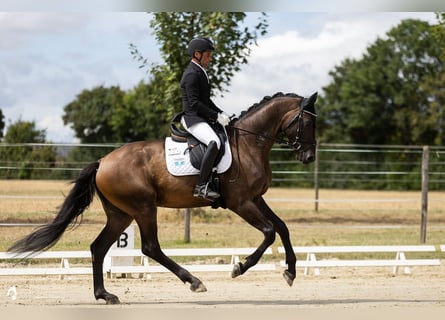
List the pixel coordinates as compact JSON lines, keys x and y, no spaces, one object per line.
{"x":400,"y":259}
{"x":145,"y":268}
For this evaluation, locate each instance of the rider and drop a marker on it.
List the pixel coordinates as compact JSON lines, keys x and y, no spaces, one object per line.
{"x":199,"y":111}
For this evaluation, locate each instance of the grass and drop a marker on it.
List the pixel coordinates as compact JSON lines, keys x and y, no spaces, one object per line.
{"x":345,"y":217}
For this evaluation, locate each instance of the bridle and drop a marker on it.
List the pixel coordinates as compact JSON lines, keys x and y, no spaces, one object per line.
{"x":298,"y":143}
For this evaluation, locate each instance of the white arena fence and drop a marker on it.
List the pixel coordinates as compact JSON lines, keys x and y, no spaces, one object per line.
{"x":143,"y":267}
{"x":10,"y":264}
{"x":400,"y":259}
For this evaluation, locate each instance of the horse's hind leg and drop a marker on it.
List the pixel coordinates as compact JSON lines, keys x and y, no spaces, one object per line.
{"x":117,"y":222}
{"x":151,"y":248}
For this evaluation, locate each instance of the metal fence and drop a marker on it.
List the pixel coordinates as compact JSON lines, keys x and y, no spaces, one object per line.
{"x":378,"y":167}
{"x":342,"y":166}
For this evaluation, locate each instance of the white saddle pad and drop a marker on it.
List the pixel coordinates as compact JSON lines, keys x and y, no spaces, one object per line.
{"x":178,"y":159}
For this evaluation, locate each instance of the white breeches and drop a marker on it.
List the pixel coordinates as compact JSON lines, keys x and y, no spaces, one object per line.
{"x":203,"y":132}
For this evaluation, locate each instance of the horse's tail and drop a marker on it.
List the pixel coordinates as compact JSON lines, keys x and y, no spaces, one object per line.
{"x":77,"y":201}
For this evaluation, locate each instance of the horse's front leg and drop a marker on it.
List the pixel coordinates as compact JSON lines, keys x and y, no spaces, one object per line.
{"x":250,"y":212}
{"x":281,"y":228}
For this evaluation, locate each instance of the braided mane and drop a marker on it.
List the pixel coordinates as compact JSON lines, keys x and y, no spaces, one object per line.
{"x":266,"y":99}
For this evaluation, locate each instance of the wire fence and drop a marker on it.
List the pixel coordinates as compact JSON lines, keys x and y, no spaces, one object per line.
{"x":338,"y":166}
{"x":374,"y":167}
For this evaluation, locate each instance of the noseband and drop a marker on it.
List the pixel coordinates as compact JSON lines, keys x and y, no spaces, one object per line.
{"x":299,"y":142}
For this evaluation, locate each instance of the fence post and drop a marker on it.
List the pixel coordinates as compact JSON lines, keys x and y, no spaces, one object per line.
{"x":316,"y":178}
{"x":187,"y":225}
{"x":424,"y":205}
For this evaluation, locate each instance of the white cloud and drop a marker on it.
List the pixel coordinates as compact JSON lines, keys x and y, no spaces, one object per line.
{"x":299,"y":62}
{"x":48,"y":58}
{"x":19,"y":29}
{"x":56,"y":131}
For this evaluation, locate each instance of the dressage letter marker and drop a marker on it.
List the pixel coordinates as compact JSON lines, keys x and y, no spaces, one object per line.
{"x":125,"y":242}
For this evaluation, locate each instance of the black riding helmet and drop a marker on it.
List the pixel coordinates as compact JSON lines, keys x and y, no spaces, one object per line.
{"x":200,"y":45}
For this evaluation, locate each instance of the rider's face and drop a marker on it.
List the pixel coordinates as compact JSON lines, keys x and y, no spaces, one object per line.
{"x":206,"y":58}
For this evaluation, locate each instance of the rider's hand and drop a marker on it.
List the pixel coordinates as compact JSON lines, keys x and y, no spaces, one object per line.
{"x":223,"y":119}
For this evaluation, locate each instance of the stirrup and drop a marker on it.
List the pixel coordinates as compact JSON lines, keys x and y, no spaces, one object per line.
{"x":204,"y":191}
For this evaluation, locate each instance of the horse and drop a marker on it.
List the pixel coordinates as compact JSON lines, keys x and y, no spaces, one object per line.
{"x":132,"y":181}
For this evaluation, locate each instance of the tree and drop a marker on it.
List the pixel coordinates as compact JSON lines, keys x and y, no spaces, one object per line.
{"x":110,"y":115}
{"x":90,"y":115}
{"x":392,"y":95}
{"x":174,"y":30}
{"x":385,"y":97}
{"x":439,"y":31}
{"x":26,"y":161}
{"x":137,"y":118}
{"x":2,"y":123}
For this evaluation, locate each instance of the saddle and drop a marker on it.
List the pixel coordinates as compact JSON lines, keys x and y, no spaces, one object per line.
{"x":196,"y":149}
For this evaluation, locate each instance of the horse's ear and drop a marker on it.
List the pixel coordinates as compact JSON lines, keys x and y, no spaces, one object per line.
{"x":309,"y":103}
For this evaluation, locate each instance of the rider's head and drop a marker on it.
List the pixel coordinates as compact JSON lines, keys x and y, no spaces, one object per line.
{"x":201,"y":50}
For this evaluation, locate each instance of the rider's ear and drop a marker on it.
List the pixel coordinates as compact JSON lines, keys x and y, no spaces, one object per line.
{"x":197,"y":55}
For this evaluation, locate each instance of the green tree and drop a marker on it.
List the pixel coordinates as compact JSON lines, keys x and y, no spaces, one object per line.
{"x":26,"y":161}
{"x":439,"y":31}
{"x":137,"y":118}
{"x":174,"y":30}
{"x":2,"y":123}
{"x":90,"y":115}
{"x":109,"y":115}
{"x":392,"y":95}
{"x":385,"y":97}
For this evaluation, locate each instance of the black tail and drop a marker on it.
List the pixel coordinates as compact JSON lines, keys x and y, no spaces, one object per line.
{"x":78,"y":199}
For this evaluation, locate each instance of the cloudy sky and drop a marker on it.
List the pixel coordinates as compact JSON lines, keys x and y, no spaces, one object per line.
{"x":46,"y":59}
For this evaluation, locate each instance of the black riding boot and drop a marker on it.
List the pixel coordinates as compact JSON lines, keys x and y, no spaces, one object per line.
{"x":202,"y":189}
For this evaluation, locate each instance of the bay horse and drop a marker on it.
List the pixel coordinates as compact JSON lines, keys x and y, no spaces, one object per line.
{"x":132,"y":181}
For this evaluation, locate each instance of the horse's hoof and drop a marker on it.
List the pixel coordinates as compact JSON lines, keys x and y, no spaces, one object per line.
{"x":236,"y":270}
{"x":112,"y":299}
{"x":289,"y":277}
{"x":198,"y":287}
{"x":108,"y":297}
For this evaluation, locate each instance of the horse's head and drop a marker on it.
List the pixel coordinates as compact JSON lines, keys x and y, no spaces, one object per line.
{"x":300,"y":130}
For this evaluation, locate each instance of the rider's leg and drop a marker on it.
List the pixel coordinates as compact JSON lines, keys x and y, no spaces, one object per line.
{"x":204,"y":133}
{"x":202,"y":189}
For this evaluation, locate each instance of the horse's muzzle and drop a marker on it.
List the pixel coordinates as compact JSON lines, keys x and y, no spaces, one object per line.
{"x":307,"y":156}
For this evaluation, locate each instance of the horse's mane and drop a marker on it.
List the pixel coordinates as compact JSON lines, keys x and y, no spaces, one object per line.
{"x":263,"y":101}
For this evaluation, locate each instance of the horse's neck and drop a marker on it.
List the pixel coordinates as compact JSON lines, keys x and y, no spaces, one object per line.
{"x":266,"y":121}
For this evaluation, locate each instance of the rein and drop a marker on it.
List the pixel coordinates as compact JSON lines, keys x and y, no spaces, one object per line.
{"x":296,"y":145}
{"x":283,"y":142}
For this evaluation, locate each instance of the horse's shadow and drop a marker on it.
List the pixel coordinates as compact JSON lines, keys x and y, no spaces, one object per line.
{"x":280,"y":302}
